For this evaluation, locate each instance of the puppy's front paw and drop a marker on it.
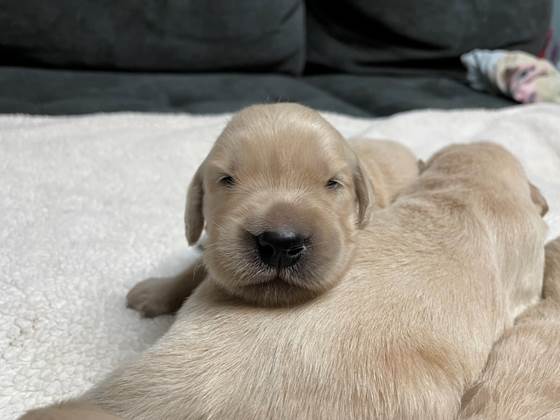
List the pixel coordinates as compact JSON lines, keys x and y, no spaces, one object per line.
{"x":153,"y":297}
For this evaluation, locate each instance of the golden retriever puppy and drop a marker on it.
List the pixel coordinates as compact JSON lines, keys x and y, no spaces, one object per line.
{"x":388,"y":166}
{"x":405,"y":309}
{"x":522,"y":378}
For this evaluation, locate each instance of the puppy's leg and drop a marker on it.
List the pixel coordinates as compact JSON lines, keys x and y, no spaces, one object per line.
{"x":165,"y":295}
{"x":69,"y":411}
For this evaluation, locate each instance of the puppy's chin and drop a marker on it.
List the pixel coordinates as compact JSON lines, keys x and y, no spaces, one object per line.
{"x":276,"y":292}
{"x":271,"y":288}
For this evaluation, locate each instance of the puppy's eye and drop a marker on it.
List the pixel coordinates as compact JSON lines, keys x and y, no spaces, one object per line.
{"x":227,"y":181}
{"x":333,"y":184}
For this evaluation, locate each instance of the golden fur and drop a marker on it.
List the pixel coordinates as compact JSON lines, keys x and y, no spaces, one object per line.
{"x":404,"y":312}
{"x":522,"y":378}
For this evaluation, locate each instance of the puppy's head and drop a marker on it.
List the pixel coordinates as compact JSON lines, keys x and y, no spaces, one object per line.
{"x":491,"y":163}
{"x":281,"y":194}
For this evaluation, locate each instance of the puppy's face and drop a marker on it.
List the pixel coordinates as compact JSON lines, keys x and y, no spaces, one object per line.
{"x":282,"y":195}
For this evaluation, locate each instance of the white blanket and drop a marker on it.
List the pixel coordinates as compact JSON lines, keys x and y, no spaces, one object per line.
{"x":90,"y":205}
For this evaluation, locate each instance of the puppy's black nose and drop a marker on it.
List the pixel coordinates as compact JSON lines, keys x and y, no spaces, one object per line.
{"x":280,"y":248}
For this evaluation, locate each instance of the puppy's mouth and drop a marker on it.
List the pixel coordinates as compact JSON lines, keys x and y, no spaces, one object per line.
{"x":277,"y":278}
{"x":275,"y":289}
{"x":271,"y":269}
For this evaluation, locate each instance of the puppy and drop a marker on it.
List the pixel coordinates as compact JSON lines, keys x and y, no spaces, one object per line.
{"x":405,"y":309}
{"x":522,"y":377}
{"x":310,"y":170}
{"x":387,"y":168}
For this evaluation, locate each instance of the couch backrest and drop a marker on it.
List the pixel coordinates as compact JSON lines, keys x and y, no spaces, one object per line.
{"x":363,"y":36}
{"x":154,"y":35}
{"x":354,"y":36}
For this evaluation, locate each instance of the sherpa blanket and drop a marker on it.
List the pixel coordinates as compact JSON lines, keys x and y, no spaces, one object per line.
{"x":90,"y":205}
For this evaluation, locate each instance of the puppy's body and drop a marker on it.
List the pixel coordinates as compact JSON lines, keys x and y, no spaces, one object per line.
{"x":522,"y":377}
{"x":435,"y":280}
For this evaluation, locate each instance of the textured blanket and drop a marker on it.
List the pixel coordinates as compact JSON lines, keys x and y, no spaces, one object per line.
{"x":90,"y":205}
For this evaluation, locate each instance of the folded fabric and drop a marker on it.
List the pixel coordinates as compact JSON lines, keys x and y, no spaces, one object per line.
{"x":515,"y":74}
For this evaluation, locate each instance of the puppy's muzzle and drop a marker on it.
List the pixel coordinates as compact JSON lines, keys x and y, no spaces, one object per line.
{"x":281,"y":248}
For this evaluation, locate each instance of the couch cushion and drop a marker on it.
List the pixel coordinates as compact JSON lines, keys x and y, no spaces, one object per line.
{"x":364,"y":36}
{"x":173,"y":35}
{"x":58,"y":92}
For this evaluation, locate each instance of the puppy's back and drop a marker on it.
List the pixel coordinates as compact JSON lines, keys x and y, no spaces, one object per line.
{"x":391,"y":165}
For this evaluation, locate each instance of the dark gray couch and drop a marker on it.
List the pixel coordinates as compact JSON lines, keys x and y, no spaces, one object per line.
{"x":361,"y":57}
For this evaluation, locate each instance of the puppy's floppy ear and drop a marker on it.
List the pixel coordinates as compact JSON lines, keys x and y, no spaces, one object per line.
{"x":194,"y":217}
{"x":364,"y":194}
{"x":538,"y":199}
